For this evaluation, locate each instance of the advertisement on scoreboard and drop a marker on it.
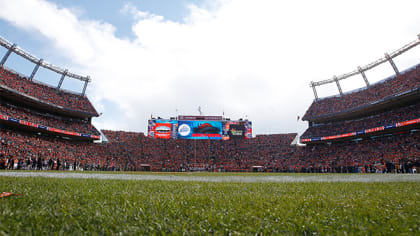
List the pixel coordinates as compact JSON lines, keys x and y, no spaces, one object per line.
{"x":248,"y":130}
{"x":188,"y":129}
{"x":237,"y":130}
{"x":233,"y":130}
{"x":161,"y":128}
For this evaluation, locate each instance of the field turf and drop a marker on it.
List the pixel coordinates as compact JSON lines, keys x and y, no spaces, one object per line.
{"x":93,"y":206}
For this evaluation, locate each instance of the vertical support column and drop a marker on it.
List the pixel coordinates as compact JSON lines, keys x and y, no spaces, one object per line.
{"x":35,"y":70}
{"x":338,"y":85}
{"x":85,"y":86}
{"x":4,"y":59}
{"x":362,"y":72}
{"x":62,"y":79}
{"x":314,"y":89}
{"x":397,"y":72}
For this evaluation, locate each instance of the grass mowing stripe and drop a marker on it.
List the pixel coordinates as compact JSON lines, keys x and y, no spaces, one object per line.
{"x":215,"y":177}
{"x":91,"y":206}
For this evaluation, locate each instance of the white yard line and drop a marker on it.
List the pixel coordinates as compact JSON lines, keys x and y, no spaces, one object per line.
{"x":240,"y":179}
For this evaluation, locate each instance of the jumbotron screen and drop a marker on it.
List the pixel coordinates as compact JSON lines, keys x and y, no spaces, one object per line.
{"x":237,"y":130}
{"x":199,"y":127}
{"x":191,"y":129}
{"x":160,"y":128}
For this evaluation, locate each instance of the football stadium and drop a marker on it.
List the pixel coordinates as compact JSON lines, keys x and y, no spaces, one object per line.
{"x":46,"y":128}
{"x":354,"y":170}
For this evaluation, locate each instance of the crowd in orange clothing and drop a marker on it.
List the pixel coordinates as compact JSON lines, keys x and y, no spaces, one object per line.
{"x":382,"y":119}
{"x":41,"y":118}
{"x":399,"y":153}
{"x":405,"y":82}
{"x":271,"y":153}
{"x":46,"y":93}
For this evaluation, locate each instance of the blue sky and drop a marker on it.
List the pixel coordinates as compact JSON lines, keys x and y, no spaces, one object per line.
{"x":251,"y":58}
{"x":111,"y":12}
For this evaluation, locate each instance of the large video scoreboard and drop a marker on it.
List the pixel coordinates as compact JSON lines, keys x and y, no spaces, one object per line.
{"x":200,"y":127}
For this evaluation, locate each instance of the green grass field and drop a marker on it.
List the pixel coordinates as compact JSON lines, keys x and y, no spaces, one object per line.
{"x":91,"y":206}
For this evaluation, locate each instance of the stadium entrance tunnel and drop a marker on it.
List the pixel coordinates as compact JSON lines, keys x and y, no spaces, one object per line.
{"x":145,"y":167}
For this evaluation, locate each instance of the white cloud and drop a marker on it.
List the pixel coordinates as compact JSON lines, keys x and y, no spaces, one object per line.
{"x":247,"y":57}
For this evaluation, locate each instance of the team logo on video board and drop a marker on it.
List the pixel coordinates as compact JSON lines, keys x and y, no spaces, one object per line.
{"x":184,"y":130}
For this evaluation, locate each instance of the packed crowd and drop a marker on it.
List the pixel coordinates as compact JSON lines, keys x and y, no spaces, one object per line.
{"x":407,"y":81}
{"x":121,"y":136}
{"x":28,"y":148}
{"x":46,"y":93}
{"x":215,"y":155}
{"x":399,"y":153}
{"x":272,"y":153}
{"x":385,"y":118}
{"x":50,"y":120}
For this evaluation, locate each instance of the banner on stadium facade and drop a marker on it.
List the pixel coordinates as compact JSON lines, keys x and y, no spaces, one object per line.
{"x":51,"y":129}
{"x":366,"y":131}
{"x":200,"y":117}
{"x":248,"y":129}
